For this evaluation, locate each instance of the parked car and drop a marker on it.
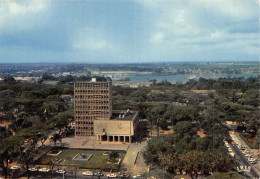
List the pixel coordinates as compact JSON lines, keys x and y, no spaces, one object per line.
{"x":14,"y":168}
{"x":87,"y":173}
{"x":45,"y":170}
{"x":98,"y":174}
{"x":61,"y":171}
{"x":33,"y":169}
{"x":184,"y":172}
{"x":111,"y":175}
{"x":248,"y":155}
{"x":252,"y":160}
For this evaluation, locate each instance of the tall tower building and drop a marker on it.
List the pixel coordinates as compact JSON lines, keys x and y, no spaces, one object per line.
{"x":92,"y":100}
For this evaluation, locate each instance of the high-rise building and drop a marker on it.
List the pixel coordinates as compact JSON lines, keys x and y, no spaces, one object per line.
{"x":92,"y":100}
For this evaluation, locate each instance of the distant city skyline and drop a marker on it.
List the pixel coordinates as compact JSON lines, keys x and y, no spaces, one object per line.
{"x":128,"y":31}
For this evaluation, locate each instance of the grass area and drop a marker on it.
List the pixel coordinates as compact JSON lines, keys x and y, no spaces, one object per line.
{"x":97,"y":161}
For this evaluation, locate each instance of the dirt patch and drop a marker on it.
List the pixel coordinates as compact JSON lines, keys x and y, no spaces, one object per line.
{"x":5,"y":123}
{"x":201,"y":134}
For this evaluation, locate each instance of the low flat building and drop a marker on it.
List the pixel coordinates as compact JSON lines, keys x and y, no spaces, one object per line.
{"x":122,"y":127}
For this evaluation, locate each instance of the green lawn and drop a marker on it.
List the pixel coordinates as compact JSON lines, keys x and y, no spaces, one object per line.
{"x":98,"y":160}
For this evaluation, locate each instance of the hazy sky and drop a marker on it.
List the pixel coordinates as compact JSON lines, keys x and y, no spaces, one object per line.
{"x":125,"y":31}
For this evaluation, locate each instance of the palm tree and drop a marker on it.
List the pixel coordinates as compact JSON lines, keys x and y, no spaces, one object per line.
{"x":4,"y":157}
{"x":26,"y":157}
{"x":56,"y":137}
{"x":8,"y":149}
{"x":43,"y":138}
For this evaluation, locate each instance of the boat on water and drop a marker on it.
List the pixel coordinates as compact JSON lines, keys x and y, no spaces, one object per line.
{"x":192,"y":77}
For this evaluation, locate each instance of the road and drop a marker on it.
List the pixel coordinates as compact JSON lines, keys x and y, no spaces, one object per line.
{"x":35,"y":175}
{"x":243,"y":160}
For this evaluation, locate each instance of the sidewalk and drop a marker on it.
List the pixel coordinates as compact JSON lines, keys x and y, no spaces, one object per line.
{"x":135,"y":164}
{"x":89,"y":143}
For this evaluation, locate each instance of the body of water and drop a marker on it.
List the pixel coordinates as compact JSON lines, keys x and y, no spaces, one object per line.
{"x":186,"y":77}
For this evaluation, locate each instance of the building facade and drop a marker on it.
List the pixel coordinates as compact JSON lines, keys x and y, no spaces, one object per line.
{"x":92,"y":100}
{"x":121,"y":128}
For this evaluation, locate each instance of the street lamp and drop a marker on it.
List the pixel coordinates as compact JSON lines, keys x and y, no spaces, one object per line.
{"x":63,"y":168}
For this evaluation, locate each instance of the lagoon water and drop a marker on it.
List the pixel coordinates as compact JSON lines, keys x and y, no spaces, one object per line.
{"x":186,"y":77}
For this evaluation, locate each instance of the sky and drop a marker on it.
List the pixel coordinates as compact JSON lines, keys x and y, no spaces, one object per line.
{"x":128,"y":31}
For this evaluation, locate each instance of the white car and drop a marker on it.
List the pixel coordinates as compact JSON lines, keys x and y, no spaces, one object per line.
{"x":33,"y":169}
{"x":14,"y":168}
{"x":251,"y":159}
{"x":248,"y":155}
{"x":252,"y":162}
{"x":44,"y":170}
{"x":88,"y":173}
{"x":61,"y":171}
{"x":111,"y":175}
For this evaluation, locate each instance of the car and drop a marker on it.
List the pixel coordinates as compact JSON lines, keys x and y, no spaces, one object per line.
{"x":252,"y":162}
{"x":111,"y":175}
{"x":251,"y":159}
{"x":106,"y":153}
{"x":61,"y":171}
{"x":87,"y":173}
{"x":14,"y":168}
{"x":177,"y":171}
{"x":245,"y":151}
{"x":124,"y":175}
{"x":248,"y":155}
{"x":45,"y":170}
{"x":33,"y":169}
{"x":184,"y":172}
{"x":98,"y":174}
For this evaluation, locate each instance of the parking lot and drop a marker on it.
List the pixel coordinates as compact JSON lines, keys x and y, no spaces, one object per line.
{"x":247,"y":160}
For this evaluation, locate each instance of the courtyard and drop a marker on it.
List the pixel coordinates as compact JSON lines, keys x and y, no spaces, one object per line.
{"x":96,"y":159}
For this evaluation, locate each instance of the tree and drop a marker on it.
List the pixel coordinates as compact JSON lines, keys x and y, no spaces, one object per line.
{"x":154,"y":147}
{"x":49,"y":161}
{"x":192,"y":162}
{"x":9,"y":79}
{"x":113,"y":156}
{"x":184,"y":128}
{"x":47,"y":77}
{"x":43,"y":138}
{"x":155,"y":116}
{"x":5,"y":156}
{"x":8,"y":151}
{"x":26,"y":157}
{"x":61,"y":123}
{"x":56,"y":137}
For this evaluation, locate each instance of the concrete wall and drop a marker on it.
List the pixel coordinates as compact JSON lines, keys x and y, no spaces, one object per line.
{"x":114,"y":127}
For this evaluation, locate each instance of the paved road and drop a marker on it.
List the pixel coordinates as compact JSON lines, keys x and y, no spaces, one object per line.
{"x":35,"y":175}
{"x":243,"y":160}
{"x":133,"y":160}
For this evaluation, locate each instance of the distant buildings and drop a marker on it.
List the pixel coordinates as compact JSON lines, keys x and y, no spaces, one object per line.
{"x":27,"y":79}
